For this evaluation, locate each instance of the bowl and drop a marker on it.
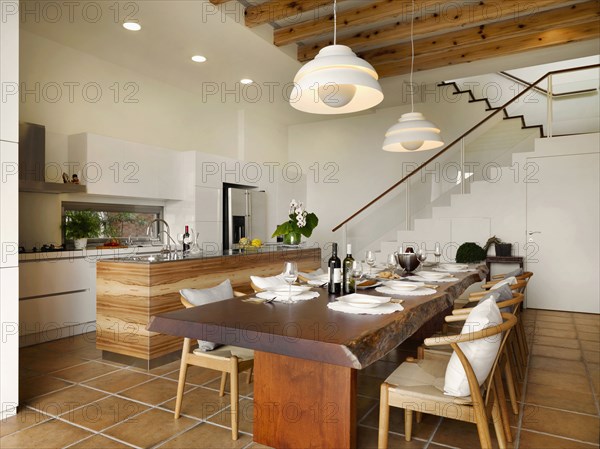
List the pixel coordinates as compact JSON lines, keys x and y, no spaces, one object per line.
{"x":408,"y":261}
{"x":404,"y":286}
{"x":432,"y":275}
{"x":364,"y":301}
{"x":453,"y":266}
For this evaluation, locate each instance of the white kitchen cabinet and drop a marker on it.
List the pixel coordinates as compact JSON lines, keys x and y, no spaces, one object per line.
{"x":115,"y":167}
{"x":9,"y":70}
{"x":57,"y":299}
{"x":9,"y":204}
{"x":9,"y":354}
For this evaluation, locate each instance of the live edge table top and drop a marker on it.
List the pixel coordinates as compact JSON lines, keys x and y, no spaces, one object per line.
{"x":309,"y":329}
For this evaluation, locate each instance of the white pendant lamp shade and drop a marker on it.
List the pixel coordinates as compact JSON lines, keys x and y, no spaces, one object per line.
{"x":412,"y":133}
{"x":336,"y":82}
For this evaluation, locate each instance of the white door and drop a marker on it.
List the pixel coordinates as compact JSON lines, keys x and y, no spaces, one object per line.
{"x":563,"y":230}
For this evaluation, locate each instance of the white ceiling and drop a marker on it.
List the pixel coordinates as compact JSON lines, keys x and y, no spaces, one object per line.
{"x":174,"y":30}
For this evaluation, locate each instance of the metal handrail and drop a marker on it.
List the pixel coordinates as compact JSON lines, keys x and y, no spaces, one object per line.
{"x":458,"y":139}
{"x":541,"y":90}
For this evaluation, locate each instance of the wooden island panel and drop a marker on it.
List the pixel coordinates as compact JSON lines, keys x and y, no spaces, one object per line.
{"x":129,"y":293}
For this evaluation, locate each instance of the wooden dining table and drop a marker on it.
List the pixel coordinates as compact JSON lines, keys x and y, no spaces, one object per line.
{"x":307,"y":356}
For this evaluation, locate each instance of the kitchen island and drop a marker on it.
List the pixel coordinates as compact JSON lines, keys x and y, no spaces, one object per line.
{"x":132,"y":289}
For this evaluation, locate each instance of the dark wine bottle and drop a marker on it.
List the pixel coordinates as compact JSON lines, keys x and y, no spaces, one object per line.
{"x":335,"y":271}
{"x":186,"y":239}
{"x":347,"y":280}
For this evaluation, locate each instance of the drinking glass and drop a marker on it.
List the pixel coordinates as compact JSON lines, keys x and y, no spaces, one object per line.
{"x":290,"y":274}
{"x":370,"y":258}
{"x":421,"y":256}
{"x":180,"y":241}
{"x":391,"y":262}
{"x":437,"y":252}
{"x":357,"y":272}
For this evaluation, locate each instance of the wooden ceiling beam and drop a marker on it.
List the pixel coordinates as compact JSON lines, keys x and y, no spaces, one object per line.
{"x":363,"y":15}
{"x":485,"y":50}
{"x":542,"y":22}
{"x":274,"y":10}
{"x":431,"y":18}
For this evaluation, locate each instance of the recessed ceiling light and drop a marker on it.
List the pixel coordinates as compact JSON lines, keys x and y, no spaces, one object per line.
{"x":132,"y":26}
{"x":246,"y":81}
{"x":198,"y":58}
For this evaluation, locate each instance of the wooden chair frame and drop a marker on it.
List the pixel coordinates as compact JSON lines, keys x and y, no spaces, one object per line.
{"x":478,"y":412}
{"x":231,"y":365}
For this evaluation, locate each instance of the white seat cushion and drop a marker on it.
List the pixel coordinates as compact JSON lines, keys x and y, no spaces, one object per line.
{"x":200,"y":297}
{"x":480,"y":353}
{"x":423,"y":379}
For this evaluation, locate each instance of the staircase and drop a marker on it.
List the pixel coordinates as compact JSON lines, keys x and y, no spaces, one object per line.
{"x":465,"y":213}
{"x":486,"y":194}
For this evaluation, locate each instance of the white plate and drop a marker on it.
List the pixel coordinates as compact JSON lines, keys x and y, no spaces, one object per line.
{"x":296,"y":289}
{"x":432,"y":275}
{"x":364,"y":287}
{"x":453,"y":266}
{"x":364,"y":301}
{"x":404,"y":286}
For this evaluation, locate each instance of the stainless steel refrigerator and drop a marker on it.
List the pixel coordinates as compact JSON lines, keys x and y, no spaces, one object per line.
{"x":246,"y":215}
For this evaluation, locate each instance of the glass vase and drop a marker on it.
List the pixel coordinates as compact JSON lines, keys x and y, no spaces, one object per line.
{"x":292,"y":238}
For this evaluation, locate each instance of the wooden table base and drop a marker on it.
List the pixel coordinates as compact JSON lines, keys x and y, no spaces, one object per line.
{"x":303,"y":403}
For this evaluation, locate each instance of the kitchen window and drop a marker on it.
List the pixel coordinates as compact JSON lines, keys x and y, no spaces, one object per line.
{"x":126,"y":223}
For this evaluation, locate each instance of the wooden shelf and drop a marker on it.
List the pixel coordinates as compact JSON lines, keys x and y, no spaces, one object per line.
{"x":50,"y":187}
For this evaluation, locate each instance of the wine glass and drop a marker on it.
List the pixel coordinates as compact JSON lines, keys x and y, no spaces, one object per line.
{"x":290,"y":274}
{"x":391,"y":262}
{"x":180,"y":241}
{"x":421,"y":256}
{"x":357,"y":272}
{"x":370,"y":258}
{"x":437,"y":252}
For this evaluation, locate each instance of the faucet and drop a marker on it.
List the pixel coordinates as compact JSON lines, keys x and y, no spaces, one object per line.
{"x":166,"y":231}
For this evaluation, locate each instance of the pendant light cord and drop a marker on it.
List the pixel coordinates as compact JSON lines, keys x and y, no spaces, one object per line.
{"x":412,"y":57}
{"x":334,"y":22}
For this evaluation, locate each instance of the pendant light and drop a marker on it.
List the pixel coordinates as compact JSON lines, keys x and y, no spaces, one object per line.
{"x":336,"y":81}
{"x":412,"y":132}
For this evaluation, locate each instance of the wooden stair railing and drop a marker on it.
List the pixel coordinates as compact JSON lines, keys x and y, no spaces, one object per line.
{"x":462,"y":136}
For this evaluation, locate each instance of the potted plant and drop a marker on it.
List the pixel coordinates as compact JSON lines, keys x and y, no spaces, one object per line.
{"x":470,"y":252}
{"x":502,"y":249}
{"x":80,"y":225}
{"x":300,"y":223}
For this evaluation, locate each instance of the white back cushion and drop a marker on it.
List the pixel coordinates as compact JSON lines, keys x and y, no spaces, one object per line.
{"x":266,"y":283}
{"x":506,"y":281}
{"x":200,"y":297}
{"x":480,"y":353}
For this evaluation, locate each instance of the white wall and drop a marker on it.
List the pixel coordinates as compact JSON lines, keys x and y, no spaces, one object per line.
{"x":9,"y":205}
{"x":359,"y":169}
{"x":161,"y":115}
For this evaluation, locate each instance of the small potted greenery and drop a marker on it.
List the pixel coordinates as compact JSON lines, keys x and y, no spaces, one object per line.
{"x":470,"y":252}
{"x":502,"y":249}
{"x":300,"y":223}
{"x":80,"y":225}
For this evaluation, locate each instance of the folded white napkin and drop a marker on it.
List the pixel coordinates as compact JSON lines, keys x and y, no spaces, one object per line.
{"x":383,"y":309}
{"x":266,"y":283}
{"x":317,"y":274}
{"x":283,"y":297}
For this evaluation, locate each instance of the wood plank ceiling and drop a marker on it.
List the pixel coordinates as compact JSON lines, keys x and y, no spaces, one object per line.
{"x":446,"y":32}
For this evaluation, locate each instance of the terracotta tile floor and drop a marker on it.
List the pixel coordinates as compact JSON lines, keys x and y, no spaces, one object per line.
{"x":70,"y":398}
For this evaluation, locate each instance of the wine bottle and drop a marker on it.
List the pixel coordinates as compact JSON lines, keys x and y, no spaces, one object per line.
{"x":186,"y":239}
{"x":335,"y":272}
{"x":348,"y":282}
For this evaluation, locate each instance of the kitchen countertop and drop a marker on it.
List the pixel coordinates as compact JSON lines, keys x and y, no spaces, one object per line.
{"x":177,"y":257}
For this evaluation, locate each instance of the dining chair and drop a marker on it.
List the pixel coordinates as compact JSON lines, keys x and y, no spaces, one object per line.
{"x":230,"y":360}
{"x":416,"y":386}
